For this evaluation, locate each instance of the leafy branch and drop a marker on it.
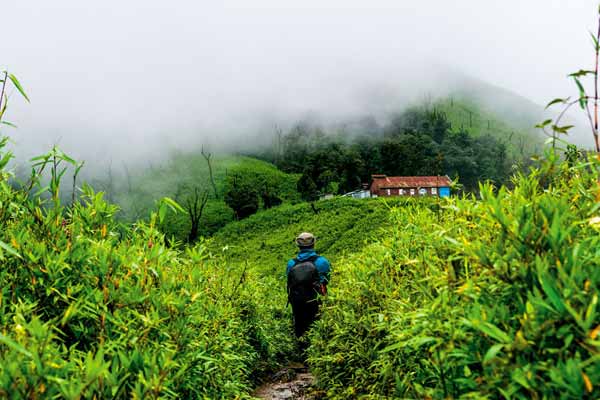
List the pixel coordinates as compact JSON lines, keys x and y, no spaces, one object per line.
{"x":6,"y":78}
{"x":583,"y":100}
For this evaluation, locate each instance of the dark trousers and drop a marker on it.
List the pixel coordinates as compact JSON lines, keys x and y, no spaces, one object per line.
{"x":305,"y":313}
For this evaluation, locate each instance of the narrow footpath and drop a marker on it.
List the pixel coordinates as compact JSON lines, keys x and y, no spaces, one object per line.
{"x":291,"y":383}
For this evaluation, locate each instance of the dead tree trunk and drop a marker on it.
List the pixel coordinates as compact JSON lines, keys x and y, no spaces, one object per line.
{"x":195,"y":207}
{"x":207,"y":157}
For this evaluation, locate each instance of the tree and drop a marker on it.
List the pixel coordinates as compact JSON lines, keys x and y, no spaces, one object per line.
{"x":241,"y":195}
{"x":194,"y":200}
{"x":328,"y":182}
{"x":194,"y":206}
{"x":307,"y":187}
{"x":269,"y":197}
{"x":207,"y":157}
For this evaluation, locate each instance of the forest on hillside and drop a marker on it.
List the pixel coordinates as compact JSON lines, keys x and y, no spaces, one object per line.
{"x":418,"y":141}
{"x":309,"y":161}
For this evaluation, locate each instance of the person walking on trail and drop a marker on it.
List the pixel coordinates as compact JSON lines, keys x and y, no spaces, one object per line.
{"x":307,"y":277}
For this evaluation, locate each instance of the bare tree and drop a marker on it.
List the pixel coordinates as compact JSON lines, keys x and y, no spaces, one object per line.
{"x":207,"y":157}
{"x":194,"y":206}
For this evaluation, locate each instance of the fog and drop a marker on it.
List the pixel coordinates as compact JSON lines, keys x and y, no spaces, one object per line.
{"x":129,"y":79}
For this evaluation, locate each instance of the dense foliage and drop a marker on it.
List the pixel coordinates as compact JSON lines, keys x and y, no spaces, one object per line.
{"x":418,"y":141}
{"x":253,"y":185}
{"x":342,"y":226}
{"x":91,"y":308}
{"x":495,"y":298}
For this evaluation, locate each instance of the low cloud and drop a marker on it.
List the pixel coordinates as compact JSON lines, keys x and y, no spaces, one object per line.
{"x":128,"y":80}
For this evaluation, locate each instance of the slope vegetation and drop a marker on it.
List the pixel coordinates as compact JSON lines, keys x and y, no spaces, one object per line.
{"x":136,"y":193}
{"x":429,"y":299}
{"x":495,"y":298}
{"x":342,"y":226}
{"x":94,"y":309}
{"x":518,"y":133}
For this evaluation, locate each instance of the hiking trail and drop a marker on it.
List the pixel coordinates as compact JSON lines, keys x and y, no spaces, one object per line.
{"x":294,"y":382}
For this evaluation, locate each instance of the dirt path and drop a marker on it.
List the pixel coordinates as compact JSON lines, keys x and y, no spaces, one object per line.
{"x":291,"y":383}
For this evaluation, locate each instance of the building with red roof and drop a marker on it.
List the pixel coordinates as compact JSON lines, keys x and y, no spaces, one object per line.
{"x":383,"y":186}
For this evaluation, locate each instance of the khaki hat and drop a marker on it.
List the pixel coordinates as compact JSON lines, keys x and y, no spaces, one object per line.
{"x":305,"y":239}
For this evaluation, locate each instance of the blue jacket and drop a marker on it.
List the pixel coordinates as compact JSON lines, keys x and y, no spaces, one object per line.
{"x":322,"y":264}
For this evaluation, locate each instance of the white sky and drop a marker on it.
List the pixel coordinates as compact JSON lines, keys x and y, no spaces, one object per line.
{"x":113,"y":76}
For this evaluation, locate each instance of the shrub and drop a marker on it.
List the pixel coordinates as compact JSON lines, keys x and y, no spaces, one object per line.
{"x":242,"y":196}
{"x":92,"y":309}
{"x":494,"y":298}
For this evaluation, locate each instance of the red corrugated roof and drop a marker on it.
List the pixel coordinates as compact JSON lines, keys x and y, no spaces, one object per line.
{"x":393,"y":182}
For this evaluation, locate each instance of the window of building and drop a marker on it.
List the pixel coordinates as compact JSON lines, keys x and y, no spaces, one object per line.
{"x":434,"y":191}
{"x":412,"y":192}
{"x":422,"y":191}
{"x":389,"y":192}
{"x":401,"y":192}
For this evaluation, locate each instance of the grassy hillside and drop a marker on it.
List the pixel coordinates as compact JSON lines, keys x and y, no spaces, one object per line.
{"x":342,"y":226}
{"x":136,"y":193}
{"x":516,"y":110}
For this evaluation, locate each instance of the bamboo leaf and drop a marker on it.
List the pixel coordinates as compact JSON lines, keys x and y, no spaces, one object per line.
{"x":490,"y":330}
{"x":551,"y":292}
{"x":553,"y":102}
{"x":580,"y":73}
{"x":162,"y":212}
{"x":9,"y":249}
{"x":68,"y":159}
{"x":172,"y":204}
{"x":562,"y":129}
{"x":582,"y":95}
{"x":14,"y":345}
{"x":17,"y":84}
{"x":545,"y":123}
{"x":595,"y":41}
{"x":8,"y":124}
{"x":492,"y":352}
{"x":5,"y":159}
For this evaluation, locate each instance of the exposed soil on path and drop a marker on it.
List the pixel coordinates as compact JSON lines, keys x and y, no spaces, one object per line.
{"x":291,"y":383}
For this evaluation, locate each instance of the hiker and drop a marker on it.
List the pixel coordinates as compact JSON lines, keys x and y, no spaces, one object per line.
{"x":307,"y":277}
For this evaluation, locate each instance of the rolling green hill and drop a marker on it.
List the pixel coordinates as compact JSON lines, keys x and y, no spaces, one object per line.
{"x":137,"y":191}
{"x":342,"y":226}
